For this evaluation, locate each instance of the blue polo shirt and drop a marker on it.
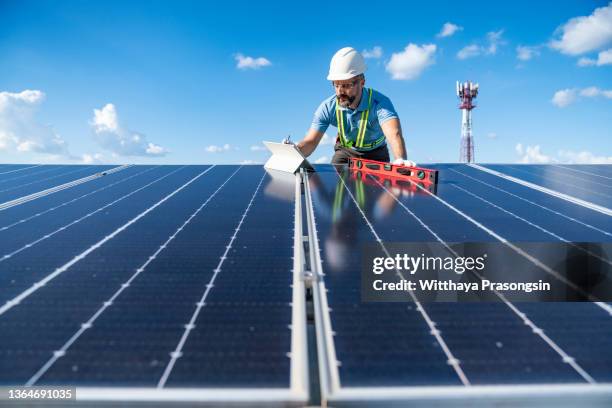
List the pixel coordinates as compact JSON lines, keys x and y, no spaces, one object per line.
{"x":381,"y":110}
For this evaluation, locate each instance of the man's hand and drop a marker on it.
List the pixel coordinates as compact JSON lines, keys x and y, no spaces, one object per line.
{"x":404,"y":162}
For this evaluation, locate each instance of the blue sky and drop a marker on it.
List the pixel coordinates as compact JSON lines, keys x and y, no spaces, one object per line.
{"x":160,"y":82}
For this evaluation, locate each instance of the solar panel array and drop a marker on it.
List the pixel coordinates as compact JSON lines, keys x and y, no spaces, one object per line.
{"x":460,"y":345}
{"x":185,"y":283}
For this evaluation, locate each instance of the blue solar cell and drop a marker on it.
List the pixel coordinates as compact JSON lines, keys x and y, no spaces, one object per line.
{"x":7,"y":169}
{"x":241,"y":336}
{"x":376,"y":344}
{"x":39,"y":180}
{"x":598,"y":170}
{"x":250,"y":303}
{"x":28,"y":255}
{"x":576,"y":222}
{"x":30,"y":174}
{"x":389,"y":344}
{"x":218,"y":253}
{"x":583,"y":187}
{"x":72,"y":198}
{"x":582,"y":330}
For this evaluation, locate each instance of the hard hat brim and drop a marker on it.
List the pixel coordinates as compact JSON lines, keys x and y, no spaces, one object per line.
{"x":342,"y":77}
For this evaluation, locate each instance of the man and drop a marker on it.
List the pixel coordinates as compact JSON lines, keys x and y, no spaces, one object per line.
{"x":365,"y":119}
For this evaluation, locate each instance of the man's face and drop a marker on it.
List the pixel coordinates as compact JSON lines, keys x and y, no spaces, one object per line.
{"x":348,"y":90}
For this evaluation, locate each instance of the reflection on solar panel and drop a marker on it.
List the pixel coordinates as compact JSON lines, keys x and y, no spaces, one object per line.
{"x":170,"y":284}
{"x":458,"y":353}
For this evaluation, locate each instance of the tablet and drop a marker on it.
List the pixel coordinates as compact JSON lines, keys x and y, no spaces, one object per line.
{"x":286,"y":157}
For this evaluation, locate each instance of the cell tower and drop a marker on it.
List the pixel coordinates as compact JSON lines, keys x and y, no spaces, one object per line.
{"x":467,"y":91}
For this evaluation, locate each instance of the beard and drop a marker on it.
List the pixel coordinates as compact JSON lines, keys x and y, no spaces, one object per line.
{"x":345,"y":101}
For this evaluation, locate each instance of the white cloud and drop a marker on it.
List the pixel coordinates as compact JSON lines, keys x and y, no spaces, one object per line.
{"x":585,"y":33}
{"x":492,"y":135}
{"x":593,"y":91}
{"x":245,"y":62}
{"x":583,"y":157}
{"x":258,"y":148}
{"x":603,"y":58}
{"x":568,"y":96}
{"x":322,"y":160}
{"x":375,"y":52}
{"x":469,"y":51}
{"x":249,"y":162}
{"x":494,"y":40}
{"x":525,"y":53}
{"x":112,"y":136}
{"x":448,"y":29}
{"x":92,"y":158}
{"x":590,"y":92}
{"x":410,"y":63}
{"x":586,"y":62}
{"x":218,"y":149}
{"x":564,"y":97}
{"x":105,"y":119}
{"x":155,"y":150}
{"x":532,"y":154}
{"x":20,"y":131}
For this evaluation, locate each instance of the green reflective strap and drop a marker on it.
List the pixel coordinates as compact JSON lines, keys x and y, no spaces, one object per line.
{"x":363,"y":122}
{"x":359,"y":141}
{"x":337,"y":209}
{"x":360,"y":194}
{"x":340,"y":120}
{"x":376,"y":142}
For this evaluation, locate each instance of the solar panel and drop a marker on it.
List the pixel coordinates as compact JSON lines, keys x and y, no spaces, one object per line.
{"x":187,"y":284}
{"x":577,"y":184}
{"x":159,"y":278}
{"x":382,"y":353}
{"x":34,"y":179}
{"x":14,"y":168}
{"x":593,"y":170}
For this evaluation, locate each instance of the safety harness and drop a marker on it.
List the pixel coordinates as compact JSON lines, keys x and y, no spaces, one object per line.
{"x":363,"y":122}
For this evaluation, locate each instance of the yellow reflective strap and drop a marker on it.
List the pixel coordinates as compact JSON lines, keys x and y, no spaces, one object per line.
{"x":376,"y":142}
{"x":359,"y":142}
{"x":338,"y":198}
{"x":365,"y":125}
{"x":340,"y":120}
{"x":363,"y":122}
{"x":360,"y":194}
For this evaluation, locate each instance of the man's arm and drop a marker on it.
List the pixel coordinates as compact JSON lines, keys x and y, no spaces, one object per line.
{"x":310,"y":142}
{"x":393,"y":132}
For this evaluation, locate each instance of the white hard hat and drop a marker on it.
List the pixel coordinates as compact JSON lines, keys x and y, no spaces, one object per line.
{"x":346,"y":64}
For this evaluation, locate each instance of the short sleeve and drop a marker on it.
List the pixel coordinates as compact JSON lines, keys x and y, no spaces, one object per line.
{"x":385,"y":110}
{"x":321,"y":119}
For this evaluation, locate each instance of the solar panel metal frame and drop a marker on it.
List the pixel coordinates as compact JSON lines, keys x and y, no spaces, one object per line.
{"x":297,"y":394}
{"x":334,"y":394}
